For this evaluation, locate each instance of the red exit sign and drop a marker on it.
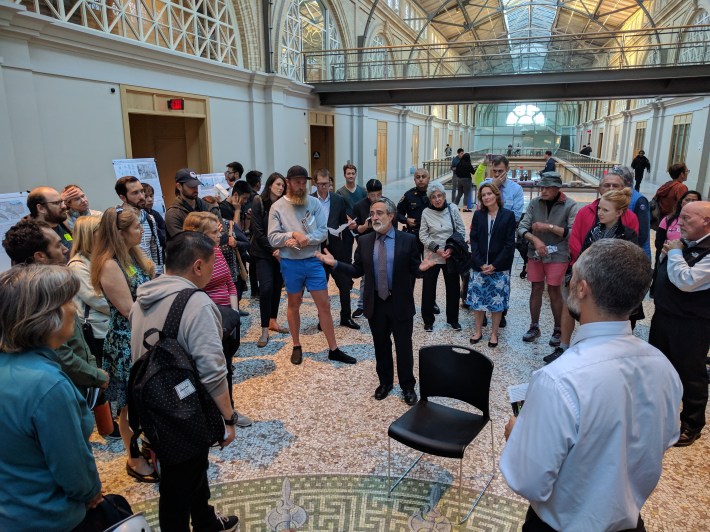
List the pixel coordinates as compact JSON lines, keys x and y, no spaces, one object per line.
{"x":176,"y":104}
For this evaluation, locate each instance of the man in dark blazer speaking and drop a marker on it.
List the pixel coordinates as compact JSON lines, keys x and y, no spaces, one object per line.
{"x":339,"y":245}
{"x":389,"y":259}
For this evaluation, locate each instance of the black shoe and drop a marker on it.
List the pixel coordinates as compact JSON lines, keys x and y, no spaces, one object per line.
{"x":503,"y":323}
{"x":557,"y":353}
{"x":485,"y":321}
{"x":492,"y":344}
{"x":475,"y":340}
{"x":116,"y":434}
{"x":532,"y":334}
{"x":296,"y":355}
{"x":350,"y":324}
{"x":358,"y":313}
{"x":227,"y":523}
{"x":339,"y":356}
{"x":409,"y":396}
{"x":428,"y":327}
{"x":437,"y":310}
{"x":687,"y":437}
{"x":456,"y":326}
{"x":150,"y":478}
{"x":524,"y":274}
{"x":243,"y":312}
{"x":382,"y":391}
{"x":318,"y":327}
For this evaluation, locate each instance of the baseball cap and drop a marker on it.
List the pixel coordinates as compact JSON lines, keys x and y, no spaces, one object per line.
{"x":187,"y":177}
{"x":297,"y":171}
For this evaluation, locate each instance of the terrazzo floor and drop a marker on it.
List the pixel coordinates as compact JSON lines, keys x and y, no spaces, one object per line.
{"x":320,"y":418}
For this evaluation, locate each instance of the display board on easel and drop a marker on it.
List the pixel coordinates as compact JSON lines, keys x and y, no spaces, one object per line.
{"x":147,"y":172}
{"x":13,"y":207}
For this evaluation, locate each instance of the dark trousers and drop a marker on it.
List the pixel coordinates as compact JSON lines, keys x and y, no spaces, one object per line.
{"x":253,"y":276}
{"x":685,"y":343}
{"x":533,"y":523}
{"x":344,"y":284}
{"x":638,"y":180}
{"x":230,"y":344}
{"x":464,"y":185}
{"x":270,"y":283}
{"x":386,"y":323}
{"x":185,"y":494}
{"x":451,"y":280}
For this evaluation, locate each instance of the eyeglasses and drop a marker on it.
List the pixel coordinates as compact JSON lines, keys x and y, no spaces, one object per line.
{"x":58,"y":202}
{"x":323,"y":184}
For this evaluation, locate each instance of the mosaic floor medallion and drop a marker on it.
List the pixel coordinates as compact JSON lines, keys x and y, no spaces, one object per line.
{"x":353,"y":503}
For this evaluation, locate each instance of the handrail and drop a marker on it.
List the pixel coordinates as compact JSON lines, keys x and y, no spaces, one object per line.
{"x":625,"y":50}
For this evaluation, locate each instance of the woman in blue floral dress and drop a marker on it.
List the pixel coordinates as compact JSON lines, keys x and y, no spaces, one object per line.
{"x":118,"y":268}
{"x":492,"y":247}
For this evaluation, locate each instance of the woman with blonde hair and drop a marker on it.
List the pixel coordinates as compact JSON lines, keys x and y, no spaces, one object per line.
{"x":223,"y":292}
{"x":611,"y":208}
{"x":118,"y":267}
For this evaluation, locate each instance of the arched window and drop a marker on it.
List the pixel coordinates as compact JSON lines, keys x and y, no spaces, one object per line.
{"x":206,"y":29}
{"x":524,"y":115}
{"x":310,"y":27}
{"x":378,"y":62}
{"x":694,"y":48}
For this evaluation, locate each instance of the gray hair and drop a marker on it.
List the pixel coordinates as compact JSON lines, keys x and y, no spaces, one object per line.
{"x":31,"y":299}
{"x":435,"y":186}
{"x":390,"y":207}
{"x":624,"y":172}
{"x":618,"y":274}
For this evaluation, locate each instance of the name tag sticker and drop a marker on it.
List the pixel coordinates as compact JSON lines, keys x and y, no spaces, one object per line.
{"x":131,"y":270}
{"x":67,"y":237}
{"x":184,"y":389}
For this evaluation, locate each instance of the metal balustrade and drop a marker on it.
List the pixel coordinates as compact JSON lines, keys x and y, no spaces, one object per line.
{"x":619,"y":50}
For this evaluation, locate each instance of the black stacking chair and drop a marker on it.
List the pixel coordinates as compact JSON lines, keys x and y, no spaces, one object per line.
{"x":446,"y":371}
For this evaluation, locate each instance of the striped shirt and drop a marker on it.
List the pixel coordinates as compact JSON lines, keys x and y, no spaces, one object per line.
{"x":221,"y":285}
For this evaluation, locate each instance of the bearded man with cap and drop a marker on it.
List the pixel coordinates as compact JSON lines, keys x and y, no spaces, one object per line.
{"x":186,"y":201}
{"x":297,"y":227}
{"x":546,"y":227}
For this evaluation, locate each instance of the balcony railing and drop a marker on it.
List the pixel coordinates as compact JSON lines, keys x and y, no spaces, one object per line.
{"x":669,"y":46}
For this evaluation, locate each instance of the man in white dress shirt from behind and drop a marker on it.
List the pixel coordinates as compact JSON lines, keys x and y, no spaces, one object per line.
{"x":587,"y":447}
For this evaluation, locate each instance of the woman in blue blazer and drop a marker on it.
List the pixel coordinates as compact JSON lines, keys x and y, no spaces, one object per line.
{"x":492,"y":247}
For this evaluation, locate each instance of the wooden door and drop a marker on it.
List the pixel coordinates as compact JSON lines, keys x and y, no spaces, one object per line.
{"x":382,"y":151}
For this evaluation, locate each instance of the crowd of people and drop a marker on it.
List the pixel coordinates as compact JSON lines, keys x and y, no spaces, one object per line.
{"x":85,"y":325}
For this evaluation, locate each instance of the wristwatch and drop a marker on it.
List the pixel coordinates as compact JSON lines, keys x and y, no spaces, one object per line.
{"x":232,"y":420}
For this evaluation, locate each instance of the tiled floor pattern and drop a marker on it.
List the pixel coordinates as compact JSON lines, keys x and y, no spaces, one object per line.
{"x":319,"y":418}
{"x":344,"y":503}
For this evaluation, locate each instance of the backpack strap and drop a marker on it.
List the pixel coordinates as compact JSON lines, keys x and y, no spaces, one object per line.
{"x":172,"y":322}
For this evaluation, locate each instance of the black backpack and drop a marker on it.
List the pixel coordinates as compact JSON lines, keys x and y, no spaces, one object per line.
{"x":166,"y":399}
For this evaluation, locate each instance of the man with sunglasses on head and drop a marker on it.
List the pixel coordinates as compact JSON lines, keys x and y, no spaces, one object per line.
{"x":46,"y":205}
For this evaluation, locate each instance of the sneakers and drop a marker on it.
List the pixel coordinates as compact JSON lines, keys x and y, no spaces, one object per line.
{"x":229,"y":523}
{"x":359,"y":313}
{"x":557,"y":353}
{"x":243,"y":420}
{"x":687,"y":437}
{"x":555,"y":338}
{"x":339,"y":356}
{"x":532,"y":334}
{"x":296,"y":355}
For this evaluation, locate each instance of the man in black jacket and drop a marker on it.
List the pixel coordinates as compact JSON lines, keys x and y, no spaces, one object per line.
{"x":389,"y":259}
{"x":640,"y":164}
{"x":335,"y":208}
{"x":185,"y":202}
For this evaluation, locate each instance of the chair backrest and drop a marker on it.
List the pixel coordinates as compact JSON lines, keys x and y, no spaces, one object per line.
{"x":457,"y":372}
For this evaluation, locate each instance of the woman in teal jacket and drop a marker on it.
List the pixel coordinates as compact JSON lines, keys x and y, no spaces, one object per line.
{"x":48,"y":477}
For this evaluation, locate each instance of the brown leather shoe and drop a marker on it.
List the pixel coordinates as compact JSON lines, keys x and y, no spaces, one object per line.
{"x":296,"y":355}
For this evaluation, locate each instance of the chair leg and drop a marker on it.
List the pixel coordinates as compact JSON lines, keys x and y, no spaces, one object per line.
{"x":400,"y":479}
{"x":488,"y":483}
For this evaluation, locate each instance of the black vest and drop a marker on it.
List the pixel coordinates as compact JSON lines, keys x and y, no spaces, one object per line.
{"x":670,"y":299}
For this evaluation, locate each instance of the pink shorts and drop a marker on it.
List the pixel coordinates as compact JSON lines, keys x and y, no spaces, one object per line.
{"x":553,"y":272}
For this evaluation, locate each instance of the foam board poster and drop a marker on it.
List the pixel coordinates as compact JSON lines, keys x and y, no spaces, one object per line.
{"x":213,"y":185}
{"x":147,"y":172}
{"x":13,"y":207}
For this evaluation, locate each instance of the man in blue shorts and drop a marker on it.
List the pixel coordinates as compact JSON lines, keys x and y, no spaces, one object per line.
{"x":297,"y":227}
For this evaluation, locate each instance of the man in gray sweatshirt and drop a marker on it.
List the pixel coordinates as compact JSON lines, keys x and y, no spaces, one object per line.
{"x":297,"y":227}
{"x":184,"y":488}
